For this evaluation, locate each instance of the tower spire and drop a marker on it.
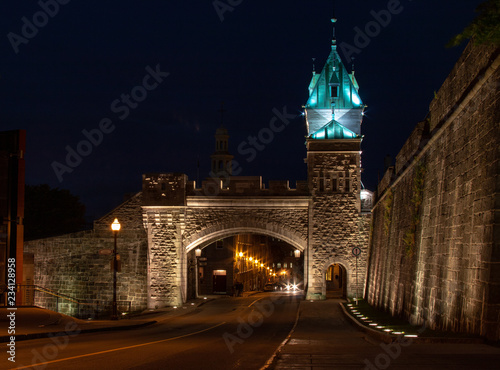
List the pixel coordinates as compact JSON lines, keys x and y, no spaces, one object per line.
{"x":221,"y":159}
{"x":334,"y":108}
{"x":334,"y":20}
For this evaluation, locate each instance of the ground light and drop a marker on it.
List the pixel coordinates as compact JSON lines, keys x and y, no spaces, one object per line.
{"x":366,"y":321}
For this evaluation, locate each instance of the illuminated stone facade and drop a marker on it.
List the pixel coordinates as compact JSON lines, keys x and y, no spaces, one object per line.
{"x":435,"y":248}
{"x":72,"y":265}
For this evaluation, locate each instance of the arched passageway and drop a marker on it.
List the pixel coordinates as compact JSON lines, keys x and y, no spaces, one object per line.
{"x":336,"y":281}
{"x":242,"y":262}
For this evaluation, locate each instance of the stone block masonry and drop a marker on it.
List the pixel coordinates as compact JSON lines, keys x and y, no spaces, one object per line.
{"x":435,"y":239}
{"x":71,"y":264}
{"x":175,"y":230}
{"x":337,"y":225}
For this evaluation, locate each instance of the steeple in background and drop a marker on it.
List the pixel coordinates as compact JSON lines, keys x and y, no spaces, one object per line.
{"x":221,"y":159}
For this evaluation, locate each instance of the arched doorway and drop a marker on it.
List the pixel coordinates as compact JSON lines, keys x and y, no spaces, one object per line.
{"x":336,"y":281}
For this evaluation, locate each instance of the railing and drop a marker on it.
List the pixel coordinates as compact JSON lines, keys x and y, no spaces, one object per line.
{"x":81,"y":308}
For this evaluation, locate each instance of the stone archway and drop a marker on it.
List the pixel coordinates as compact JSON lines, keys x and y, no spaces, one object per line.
{"x":209,"y":236}
{"x":336,"y":281}
{"x":347,"y":278}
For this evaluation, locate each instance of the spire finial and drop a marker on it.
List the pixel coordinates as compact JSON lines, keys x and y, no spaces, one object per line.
{"x":334,"y":20}
{"x":314,"y":67}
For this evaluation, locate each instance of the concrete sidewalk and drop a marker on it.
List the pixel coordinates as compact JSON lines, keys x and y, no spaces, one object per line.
{"x":325,"y":338}
{"x":35,"y":322}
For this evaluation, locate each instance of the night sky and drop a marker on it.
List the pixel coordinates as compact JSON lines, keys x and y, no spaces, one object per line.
{"x":73,"y":69}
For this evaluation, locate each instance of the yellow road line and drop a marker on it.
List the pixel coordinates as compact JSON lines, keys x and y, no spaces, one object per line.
{"x":121,"y":348}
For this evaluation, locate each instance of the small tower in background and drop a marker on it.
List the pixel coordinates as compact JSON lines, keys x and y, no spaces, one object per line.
{"x":221,"y":159}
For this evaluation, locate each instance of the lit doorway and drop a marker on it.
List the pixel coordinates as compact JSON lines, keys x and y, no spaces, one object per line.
{"x":336,"y":281}
{"x":220,"y":281}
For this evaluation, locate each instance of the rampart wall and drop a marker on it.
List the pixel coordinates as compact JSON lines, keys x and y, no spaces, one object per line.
{"x":71,"y":264}
{"x":435,"y":246}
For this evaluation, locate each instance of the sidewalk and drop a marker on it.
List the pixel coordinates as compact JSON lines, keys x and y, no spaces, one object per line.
{"x":325,"y":337}
{"x":34,"y":322}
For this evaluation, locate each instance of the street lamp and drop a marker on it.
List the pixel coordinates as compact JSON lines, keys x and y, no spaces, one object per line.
{"x":115,"y":226}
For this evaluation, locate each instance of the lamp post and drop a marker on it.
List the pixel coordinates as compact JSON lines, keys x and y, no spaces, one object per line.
{"x":197,"y":253}
{"x":115,"y":226}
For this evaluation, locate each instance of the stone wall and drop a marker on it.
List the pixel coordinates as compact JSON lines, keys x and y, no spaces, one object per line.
{"x":435,"y":253}
{"x":175,"y":231}
{"x":72,"y":266}
{"x":336,"y":225}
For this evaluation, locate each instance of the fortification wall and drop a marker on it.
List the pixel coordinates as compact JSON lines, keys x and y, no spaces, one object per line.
{"x":71,"y":264}
{"x":435,"y":253}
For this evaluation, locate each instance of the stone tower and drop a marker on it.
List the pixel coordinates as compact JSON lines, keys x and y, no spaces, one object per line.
{"x":221,"y":159}
{"x":333,"y":114}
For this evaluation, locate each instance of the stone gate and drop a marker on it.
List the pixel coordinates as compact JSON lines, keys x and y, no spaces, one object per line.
{"x":178,"y":218}
{"x":326,"y":217}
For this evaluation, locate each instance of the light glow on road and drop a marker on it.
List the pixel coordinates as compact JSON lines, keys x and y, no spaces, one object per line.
{"x":121,"y":348}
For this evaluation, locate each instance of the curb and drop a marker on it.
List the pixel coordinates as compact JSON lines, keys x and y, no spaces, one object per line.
{"x":29,"y":336}
{"x":273,"y":358}
{"x":383,"y":337}
{"x":21,"y":337}
{"x":389,"y":338}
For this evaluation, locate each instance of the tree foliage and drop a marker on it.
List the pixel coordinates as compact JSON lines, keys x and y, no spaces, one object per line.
{"x":485,"y":28}
{"x":50,"y":212}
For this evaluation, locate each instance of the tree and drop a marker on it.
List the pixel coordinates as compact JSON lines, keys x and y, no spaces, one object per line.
{"x":485,"y":28}
{"x":50,"y":212}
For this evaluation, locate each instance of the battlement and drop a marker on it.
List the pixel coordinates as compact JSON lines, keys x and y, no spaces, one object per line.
{"x":246,"y":185}
{"x":171,"y":189}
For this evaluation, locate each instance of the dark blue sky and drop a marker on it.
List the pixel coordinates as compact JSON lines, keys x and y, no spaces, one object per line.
{"x":72,"y":72}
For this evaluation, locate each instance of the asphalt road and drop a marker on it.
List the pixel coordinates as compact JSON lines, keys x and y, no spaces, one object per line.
{"x":227,"y":333}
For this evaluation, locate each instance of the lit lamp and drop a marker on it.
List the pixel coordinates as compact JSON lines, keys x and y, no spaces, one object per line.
{"x":197,"y":252}
{"x":240,"y":254}
{"x":115,"y":226}
{"x":296,"y":253}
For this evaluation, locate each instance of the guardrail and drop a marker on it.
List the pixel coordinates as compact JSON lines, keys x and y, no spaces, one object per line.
{"x":35,"y":295}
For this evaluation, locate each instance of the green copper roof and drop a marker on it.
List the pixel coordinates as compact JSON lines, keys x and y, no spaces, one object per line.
{"x":334,"y":78}
{"x":334,"y":130}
